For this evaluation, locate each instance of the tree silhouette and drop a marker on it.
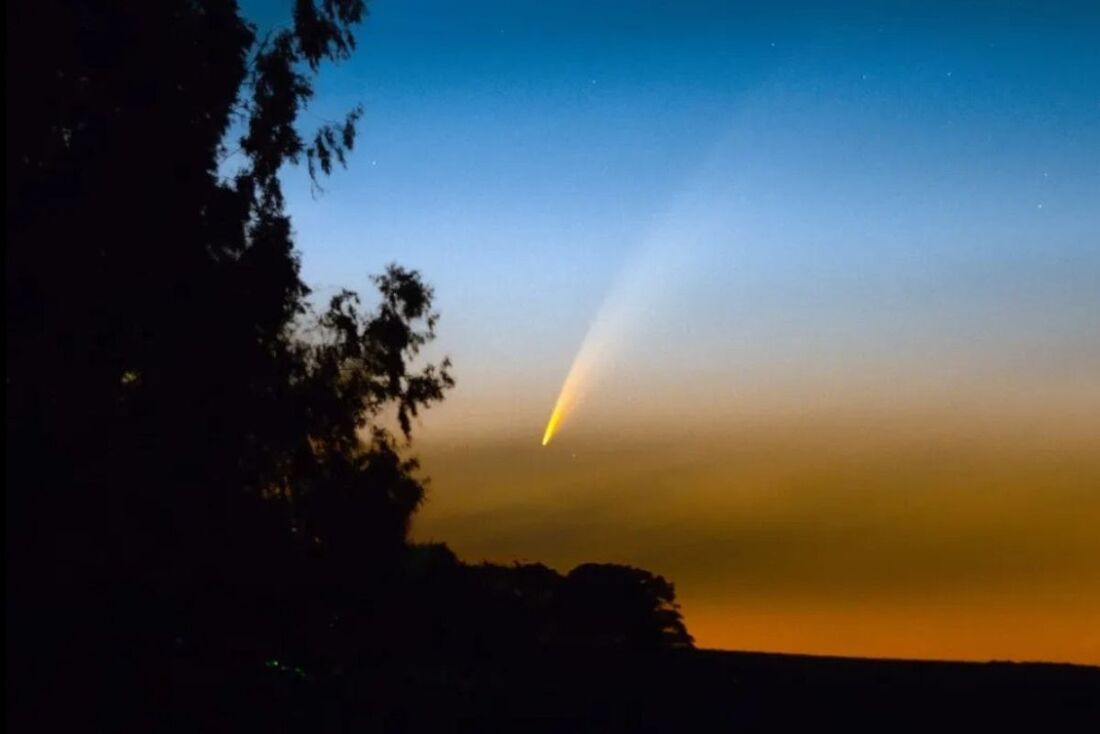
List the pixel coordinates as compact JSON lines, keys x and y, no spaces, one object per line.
{"x":177,"y":419}
{"x":529,"y":608}
{"x":156,"y":317}
{"x":615,"y":605}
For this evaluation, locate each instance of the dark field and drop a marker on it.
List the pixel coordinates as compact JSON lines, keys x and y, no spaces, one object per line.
{"x":710,"y":690}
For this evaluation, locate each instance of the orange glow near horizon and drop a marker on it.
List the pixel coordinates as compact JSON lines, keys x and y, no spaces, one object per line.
{"x":963,"y":538}
{"x":998,"y":628}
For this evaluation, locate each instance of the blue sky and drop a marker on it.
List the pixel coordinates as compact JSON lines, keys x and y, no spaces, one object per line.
{"x":518,"y":152}
{"x":873,"y":227}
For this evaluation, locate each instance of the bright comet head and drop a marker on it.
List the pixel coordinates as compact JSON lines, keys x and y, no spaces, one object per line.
{"x":563,"y":403}
{"x":552,"y":424}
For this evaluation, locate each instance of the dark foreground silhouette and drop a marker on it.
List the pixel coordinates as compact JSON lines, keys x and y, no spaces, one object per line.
{"x":453,"y":683}
{"x":474,"y":648}
{"x":705,"y":690}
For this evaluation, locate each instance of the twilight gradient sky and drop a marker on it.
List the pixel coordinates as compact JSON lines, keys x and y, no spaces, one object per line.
{"x":849,"y":396}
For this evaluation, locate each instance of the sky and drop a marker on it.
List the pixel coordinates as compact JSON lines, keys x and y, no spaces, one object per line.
{"x":835,"y":268}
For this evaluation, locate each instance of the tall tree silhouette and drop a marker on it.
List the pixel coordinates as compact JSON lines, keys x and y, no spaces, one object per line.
{"x":177,"y":419}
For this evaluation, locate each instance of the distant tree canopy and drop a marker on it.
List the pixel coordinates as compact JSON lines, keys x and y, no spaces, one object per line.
{"x":624,"y":606}
{"x":593,"y":607}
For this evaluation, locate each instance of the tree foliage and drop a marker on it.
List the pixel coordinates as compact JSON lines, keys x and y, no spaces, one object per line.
{"x":159,"y":331}
{"x":182,"y":429}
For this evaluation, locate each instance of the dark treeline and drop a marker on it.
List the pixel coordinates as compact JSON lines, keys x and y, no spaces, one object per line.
{"x":207,"y":508}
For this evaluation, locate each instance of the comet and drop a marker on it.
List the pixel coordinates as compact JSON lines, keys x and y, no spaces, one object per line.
{"x":601,"y":342}
{"x":640,"y":289}
{"x":699,"y":215}
{"x":578,"y":378}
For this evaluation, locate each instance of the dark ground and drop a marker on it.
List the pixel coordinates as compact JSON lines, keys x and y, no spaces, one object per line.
{"x":723,"y":691}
